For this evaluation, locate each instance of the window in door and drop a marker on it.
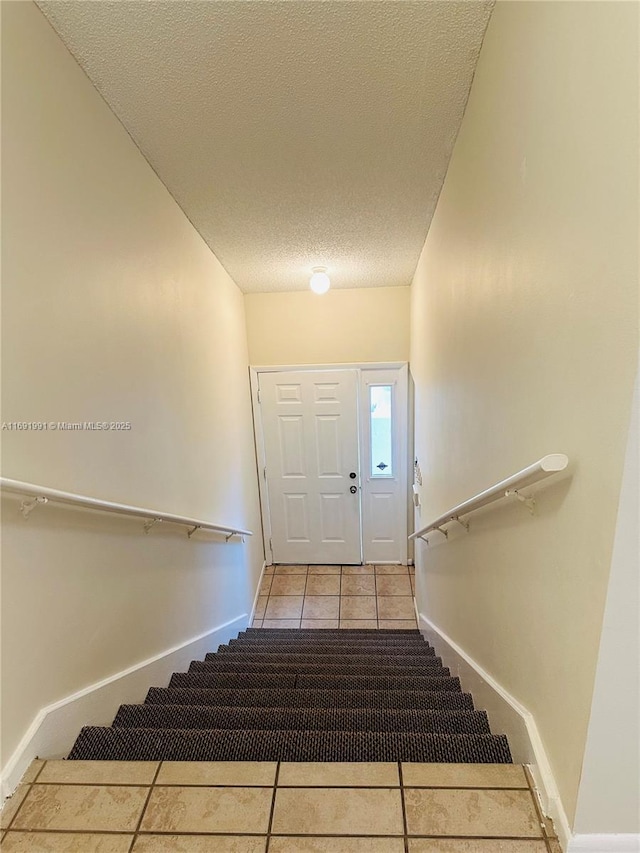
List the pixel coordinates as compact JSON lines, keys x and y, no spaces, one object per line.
{"x":381,"y":430}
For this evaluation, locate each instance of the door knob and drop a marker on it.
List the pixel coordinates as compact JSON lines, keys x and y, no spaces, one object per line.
{"x":353,"y":489}
{"x":353,"y":475}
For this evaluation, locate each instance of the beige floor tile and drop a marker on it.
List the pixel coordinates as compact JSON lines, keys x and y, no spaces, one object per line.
{"x":475,"y":845}
{"x":265,"y":586}
{"x":243,"y":773}
{"x":554,"y":844}
{"x":324,"y":570}
{"x":358,"y":623}
{"x":321,"y":607}
{"x":357,"y":570}
{"x":227,"y":810}
{"x":470,"y":812}
{"x":269,"y":570}
{"x":413,"y":584}
{"x":87,"y":808}
{"x":323,"y":585}
{"x":358,"y":607}
{"x":338,"y":811}
{"x":31,"y":773}
{"x":11,"y":806}
{"x":257,"y":623}
{"x":284,"y":607}
{"x":299,"y":844}
{"x":393,"y":585}
{"x":339,"y":773}
{"x":398,"y":624}
{"x":291,"y":570}
{"x":261,"y":606}
{"x":281,"y":623}
{"x":358,"y":585}
{"x":288,"y":585}
{"x":412,"y":570}
{"x":319,"y":623}
{"x":396,"y":607}
{"x":392,"y":570}
{"x":63,"y":842}
{"x":463,"y":775}
{"x":99,"y":772}
{"x":199,"y":844}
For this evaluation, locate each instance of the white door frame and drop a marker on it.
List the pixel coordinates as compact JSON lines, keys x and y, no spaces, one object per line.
{"x":402,"y":414}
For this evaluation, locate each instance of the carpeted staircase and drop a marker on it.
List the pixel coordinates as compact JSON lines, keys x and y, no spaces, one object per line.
{"x":305,"y":695}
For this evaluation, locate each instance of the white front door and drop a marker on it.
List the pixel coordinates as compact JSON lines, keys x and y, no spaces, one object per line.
{"x":310,"y":431}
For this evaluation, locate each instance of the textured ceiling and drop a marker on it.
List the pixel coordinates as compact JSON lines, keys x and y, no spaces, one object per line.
{"x":291,"y":133}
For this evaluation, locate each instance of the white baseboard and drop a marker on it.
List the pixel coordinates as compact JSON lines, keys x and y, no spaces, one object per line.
{"x":255,"y":597}
{"x":610,"y":843}
{"x":55,"y":727}
{"x":507,"y":716}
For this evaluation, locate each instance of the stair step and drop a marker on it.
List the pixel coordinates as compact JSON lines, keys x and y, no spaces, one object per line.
{"x":345,"y":658}
{"x":96,"y":743}
{"x":241,"y":680}
{"x":318,"y":681}
{"x":377,"y":682}
{"x":313,"y":668}
{"x":329,"y":638}
{"x":247,"y":698}
{"x":324,"y":649}
{"x":300,"y":719}
{"x":327,"y":632}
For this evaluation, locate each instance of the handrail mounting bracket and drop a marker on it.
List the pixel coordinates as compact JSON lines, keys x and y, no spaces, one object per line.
{"x":530,"y":503}
{"x":28,"y":505}
{"x":149,"y":523}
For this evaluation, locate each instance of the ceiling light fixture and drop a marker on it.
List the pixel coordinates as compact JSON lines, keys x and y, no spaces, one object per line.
{"x":319,"y":281}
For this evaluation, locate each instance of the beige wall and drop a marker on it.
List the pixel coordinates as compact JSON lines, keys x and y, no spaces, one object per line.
{"x":524,"y":338}
{"x":613,"y":742}
{"x":113,"y":309}
{"x":368,"y":324}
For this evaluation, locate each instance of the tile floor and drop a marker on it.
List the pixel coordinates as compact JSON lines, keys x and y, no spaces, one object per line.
{"x":336,"y":596}
{"x":265,"y":807}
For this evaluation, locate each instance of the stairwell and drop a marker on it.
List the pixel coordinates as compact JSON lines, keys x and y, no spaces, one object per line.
{"x":305,"y":695}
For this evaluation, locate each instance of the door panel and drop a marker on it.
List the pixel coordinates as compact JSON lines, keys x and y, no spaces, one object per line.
{"x":296,"y":513}
{"x":328,"y":453}
{"x":332,"y":515}
{"x":310,"y":429}
{"x":382,"y":511}
{"x":292,"y":446}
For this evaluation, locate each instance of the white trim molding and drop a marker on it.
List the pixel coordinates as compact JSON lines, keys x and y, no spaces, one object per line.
{"x":252,"y":615}
{"x":507,"y":716}
{"x":609,"y":843}
{"x":56,"y":726}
